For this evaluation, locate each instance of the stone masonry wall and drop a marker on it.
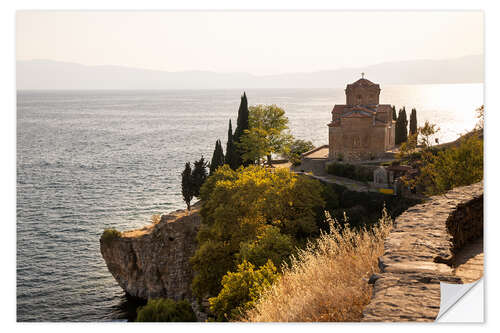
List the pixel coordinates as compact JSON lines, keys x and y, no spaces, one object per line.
{"x":419,"y":254}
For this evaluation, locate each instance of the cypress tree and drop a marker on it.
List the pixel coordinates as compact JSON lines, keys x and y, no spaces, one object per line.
{"x":230,"y":158}
{"x":413,"y":121}
{"x":242,"y":124}
{"x":394,"y":115}
{"x":199,"y":175}
{"x":401,"y":127}
{"x":217,"y":157}
{"x":187,"y":185}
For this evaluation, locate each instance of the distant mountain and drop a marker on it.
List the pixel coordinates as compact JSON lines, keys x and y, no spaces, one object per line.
{"x":47,"y":74}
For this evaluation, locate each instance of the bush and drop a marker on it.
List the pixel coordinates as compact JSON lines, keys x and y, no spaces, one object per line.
{"x":166,"y":310}
{"x":269,"y":245}
{"x":297,"y":148}
{"x":109,"y":235}
{"x":327,"y":280}
{"x":356,"y":172}
{"x":452,"y":167}
{"x":241,"y":289}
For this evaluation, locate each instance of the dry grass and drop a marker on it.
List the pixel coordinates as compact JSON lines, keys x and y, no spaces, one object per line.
{"x":328,"y":280}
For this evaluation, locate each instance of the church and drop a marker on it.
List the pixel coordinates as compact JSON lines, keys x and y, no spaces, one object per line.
{"x":361,"y":129}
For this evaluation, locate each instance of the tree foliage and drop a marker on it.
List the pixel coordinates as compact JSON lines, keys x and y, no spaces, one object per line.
{"x":231,"y":157}
{"x":394,"y":114}
{"x":401,"y":131}
{"x":241,"y":289}
{"x":452,"y":167}
{"x":267,"y":133}
{"x":427,"y":133}
{"x":297,"y":148}
{"x":217,"y":157}
{"x":199,"y":175}
{"x":237,"y":205}
{"x":187,"y":185}
{"x":242,"y":124}
{"x":270,"y":244}
{"x":166,"y":310}
{"x":413,"y":122}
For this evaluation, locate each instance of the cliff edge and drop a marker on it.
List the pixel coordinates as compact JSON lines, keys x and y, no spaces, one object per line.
{"x":154,"y":261}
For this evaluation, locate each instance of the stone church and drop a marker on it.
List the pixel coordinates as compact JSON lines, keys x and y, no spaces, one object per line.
{"x":362,"y":128}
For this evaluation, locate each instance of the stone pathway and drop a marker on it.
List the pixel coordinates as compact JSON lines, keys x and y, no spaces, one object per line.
{"x":418,"y":255}
{"x":469,"y":262}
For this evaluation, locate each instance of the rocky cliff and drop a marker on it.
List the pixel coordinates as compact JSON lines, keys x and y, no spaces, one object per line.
{"x":154,"y":261}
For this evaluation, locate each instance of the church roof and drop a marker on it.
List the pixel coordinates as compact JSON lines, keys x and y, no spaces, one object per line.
{"x":363,"y":83}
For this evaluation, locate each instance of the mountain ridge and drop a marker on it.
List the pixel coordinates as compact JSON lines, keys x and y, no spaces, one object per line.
{"x":40,"y":74}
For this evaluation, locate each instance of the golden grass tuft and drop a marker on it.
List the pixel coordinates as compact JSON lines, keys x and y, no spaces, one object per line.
{"x":327,"y":281}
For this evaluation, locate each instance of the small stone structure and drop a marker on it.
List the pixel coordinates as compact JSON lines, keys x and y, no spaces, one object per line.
{"x":362,"y":128}
{"x":381,"y":177}
{"x":421,"y":251}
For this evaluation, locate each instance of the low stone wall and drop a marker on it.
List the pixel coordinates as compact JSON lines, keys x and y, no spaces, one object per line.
{"x":419,"y":254}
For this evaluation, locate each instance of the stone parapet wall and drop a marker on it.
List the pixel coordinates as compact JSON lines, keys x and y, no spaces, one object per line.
{"x":419,"y":254}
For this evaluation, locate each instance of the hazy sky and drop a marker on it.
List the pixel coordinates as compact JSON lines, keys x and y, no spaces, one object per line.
{"x":254,"y":42}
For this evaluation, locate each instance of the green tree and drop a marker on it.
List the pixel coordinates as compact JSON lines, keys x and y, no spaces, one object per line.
{"x":270,"y":244}
{"x":413,"y":122}
{"x":297,"y":148}
{"x":236,"y":207}
{"x":187,"y":185}
{"x":267,"y":134}
{"x":166,"y":310}
{"x":452,"y":167}
{"x":231,"y":158}
{"x":426,"y":134}
{"x":401,"y":131}
{"x":199,"y":175}
{"x":394,"y":115}
{"x":241,"y":289}
{"x":217,"y":157}
{"x":242,"y":124}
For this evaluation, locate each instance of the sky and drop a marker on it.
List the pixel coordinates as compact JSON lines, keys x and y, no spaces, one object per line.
{"x":256,"y":42}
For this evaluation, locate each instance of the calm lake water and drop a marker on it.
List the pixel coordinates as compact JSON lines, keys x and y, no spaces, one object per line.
{"x":90,"y":160}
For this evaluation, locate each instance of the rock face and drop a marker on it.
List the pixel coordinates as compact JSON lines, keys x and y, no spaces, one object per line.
{"x":421,"y":251}
{"x":154,"y":261}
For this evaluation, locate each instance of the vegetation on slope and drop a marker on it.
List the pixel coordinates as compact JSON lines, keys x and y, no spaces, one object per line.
{"x":327,"y":281}
{"x":251,"y":214}
{"x":166,"y":310}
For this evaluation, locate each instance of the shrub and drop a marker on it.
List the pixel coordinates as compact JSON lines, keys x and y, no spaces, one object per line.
{"x":109,"y":235}
{"x":166,"y":310}
{"x":269,"y":245}
{"x":241,"y":289}
{"x":452,"y":167}
{"x":356,"y":172}
{"x":327,"y":280}
{"x":297,"y":148}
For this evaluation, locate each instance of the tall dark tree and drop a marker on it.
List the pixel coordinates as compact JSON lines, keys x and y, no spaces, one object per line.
{"x":199,"y":175}
{"x":242,"y":124}
{"x":217,"y":157}
{"x":231,"y":157}
{"x":401,"y":127}
{"x":187,"y":185}
{"x":413,"y":121}
{"x":394,"y":115}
